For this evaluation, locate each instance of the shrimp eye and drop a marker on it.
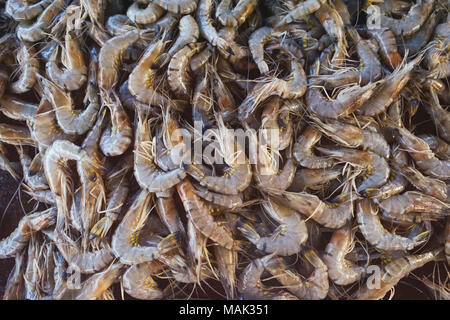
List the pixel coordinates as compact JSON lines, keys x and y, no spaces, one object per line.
{"x":414,"y":102}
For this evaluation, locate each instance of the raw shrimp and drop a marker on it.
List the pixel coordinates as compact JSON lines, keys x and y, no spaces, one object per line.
{"x":17,"y":109}
{"x":147,"y":174}
{"x":256,"y":44}
{"x":288,"y":236}
{"x":341,"y":270}
{"x":376,"y":168}
{"x":437,"y":57}
{"x":413,"y":201}
{"x":354,"y":137}
{"x":331,"y":215}
{"x":125,"y":239}
{"x":28,"y":225}
{"x":97,"y":284}
{"x":440,"y":116}
{"x":303,"y":150}
{"x":387,"y":47}
{"x":177,"y":75}
{"x":272,"y":118}
{"x":199,"y":60}
{"x":374,"y":232}
{"x":196,"y":248}
{"x":302,"y":10}
{"x":33,"y":172}
{"x":228,"y":201}
{"x":439,"y":146}
{"x":280,"y":180}
{"x":430,"y":186}
{"x":199,"y":213}
{"x":177,"y":6}
{"x":206,"y":27}
{"x":15,"y":135}
{"x":119,"y":24}
{"x":20,"y":11}
{"x":249,"y":283}
{"x":15,"y":284}
{"x":168,"y":213}
{"x":29,"y":68}
{"x":292,"y":87}
{"x":75,"y":73}
{"x":138,"y":282}
{"x":393,"y":272}
{"x":389,"y":89}
{"x":144,"y":13}
{"x":422,"y":155}
{"x":188,"y":33}
{"x":313,"y":179}
{"x":70,"y":120}
{"x":314,"y":288}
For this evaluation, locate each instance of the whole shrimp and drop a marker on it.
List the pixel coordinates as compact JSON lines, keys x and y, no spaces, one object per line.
{"x":146,"y":13}
{"x":437,"y":57}
{"x":28,"y":225}
{"x":17,"y":109}
{"x":125,"y":239}
{"x":302,"y":10}
{"x":119,"y":24}
{"x":182,"y":7}
{"x":314,"y":288}
{"x":199,"y":214}
{"x":20,"y":11}
{"x":374,"y":232}
{"x":97,"y":284}
{"x":229,"y":201}
{"x":393,"y":272}
{"x":430,"y":186}
{"x":256,"y":44}
{"x":237,"y":16}
{"x":440,"y":116}
{"x":29,"y":67}
{"x":168,"y":213}
{"x":303,"y":150}
{"x":439,"y":146}
{"x":413,"y":201}
{"x":138,"y":282}
{"x":249,"y":283}
{"x":341,"y":270}
{"x":387,"y":47}
{"x":287,"y":237}
{"x":313,"y":179}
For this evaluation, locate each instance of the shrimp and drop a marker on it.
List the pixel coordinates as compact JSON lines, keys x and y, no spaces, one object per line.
{"x":393,"y":272}
{"x":75,"y":73}
{"x":422,"y":155}
{"x":15,"y":135}
{"x":177,"y":75}
{"x":440,"y":116}
{"x":199,"y":214}
{"x":6,"y":165}
{"x":188,"y":33}
{"x":97,"y":284}
{"x":340,"y":270}
{"x":377,"y":169}
{"x":182,"y":7}
{"x":144,"y":13}
{"x":303,"y":150}
{"x":138,"y":282}
{"x":439,"y":146}
{"x":413,"y":201}
{"x":302,"y":9}
{"x":119,"y":24}
{"x":280,"y":180}
{"x":437,"y":56}
{"x":256,"y":44}
{"x":389,"y":89}
{"x":314,"y":288}
{"x":28,"y":225}
{"x":29,"y":67}
{"x":44,"y":196}
{"x":331,"y":215}
{"x":196,"y":247}
{"x":224,"y":98}
{"x":110,"y":57}
{"x":33,"y":172}
{"x":20,"y":11}
{"x":141,"y":82}
{"x":411,"y":22}
{"x":71,"y":121}
{"x":354,"y":137}
{"x":199,"y":60}
{"x":374,"y":232}
{"x":237,"y":177}
{"x":33,"y":32}
{"x":286,"y":239}
{"x":206,"y":27}
{"x":430,"y":186}
{"x":387,"y":47}
{"x":125,"y":239}
{"x":274,"y":119}
{"x":4,"y":77}
{"x":117,"y":137}
{"x":168,"y":213}
{"x":147,"y":174}
{"x":313,"y":179}
{"x":14,"y":289}
{"x":228,"y":201}
{"x":249,"y":284}
{"x":292,"y":87}
{"x":17,"y":109}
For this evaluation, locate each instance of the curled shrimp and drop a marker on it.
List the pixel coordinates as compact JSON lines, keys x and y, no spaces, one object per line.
{"x":303,"y":150}
{"x":199,"y":214}
{"x":272,"y":118}
{"x":374,"y":232}
{"x":229,"y":201}
{"x":29,"y":67}
{"x":437,"y":56}
{"x":125,"y":243}
{"x":23,"y":12}
{"x":29,"y":224}
{"x":293,"y":87}
{"x":423,"y":157}
{"x":177,"y":75}
{"x":341,"y":270}
{"x":331,"y":215}
{"x":354,"y":137}
{"x":206,"y":27}
{"x":393,"y":272}
{"x":256,"y":44}
{"x":182,"y":7}
{"x":377,"y":169}
{"x":280,"y":180}
{"x":237,"y":16}
{"x":144,"y":13}
{"x":147,"y":174}
{"x":314,"y":288}
{"x":387,"y":47}
{"x":119,"y":24}
{"x":138,"y":282}
{"x":413,"y":201}
{"x":249,"y":283}
{"x":287,"y":237}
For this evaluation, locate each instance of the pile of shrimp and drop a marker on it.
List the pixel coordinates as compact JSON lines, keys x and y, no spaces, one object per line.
{"x":351,"y":199}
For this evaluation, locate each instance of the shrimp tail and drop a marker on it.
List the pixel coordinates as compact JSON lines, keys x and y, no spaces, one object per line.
{"x":248,"y":231}
{"x":101,"y":228}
